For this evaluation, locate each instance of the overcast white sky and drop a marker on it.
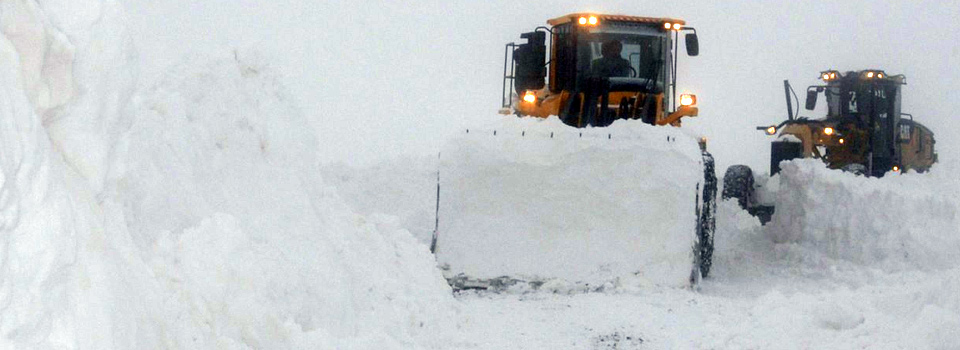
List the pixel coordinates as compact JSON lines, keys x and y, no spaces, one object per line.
{"x":385,"y":78}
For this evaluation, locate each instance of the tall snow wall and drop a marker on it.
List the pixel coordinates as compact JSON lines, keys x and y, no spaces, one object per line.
{"x":188,"y":215}
{"x":896,"y":222}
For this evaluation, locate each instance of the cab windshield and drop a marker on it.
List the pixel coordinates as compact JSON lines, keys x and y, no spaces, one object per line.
{"x":856,"y":100}
{"x":639,"y":56}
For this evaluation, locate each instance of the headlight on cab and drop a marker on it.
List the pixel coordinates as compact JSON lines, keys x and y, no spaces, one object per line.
{"x":688,"y":100}
{"x":529,"y":97}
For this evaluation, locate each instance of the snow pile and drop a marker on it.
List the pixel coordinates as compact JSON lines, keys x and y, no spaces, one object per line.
{"x":795,"y":295}
{"x":193,"y":217}
{"x":405,"y":187}
{"x":64,"y":281}
{"x":220,"y":171}
{"x":60,"y":44}
{"x":894,"y":222}
{"x":540,"y":200}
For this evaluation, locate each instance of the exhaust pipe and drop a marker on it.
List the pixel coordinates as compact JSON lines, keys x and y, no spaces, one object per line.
{"x":786,"y":93}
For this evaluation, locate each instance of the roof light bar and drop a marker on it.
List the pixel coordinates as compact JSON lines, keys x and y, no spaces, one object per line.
{"x":829,"y":75}
{"x":588,"y":20}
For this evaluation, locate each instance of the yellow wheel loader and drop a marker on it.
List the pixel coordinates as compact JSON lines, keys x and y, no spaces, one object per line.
{"x":864,"y":132}
{"x":583,"y":190}
{"x":601,"y":68}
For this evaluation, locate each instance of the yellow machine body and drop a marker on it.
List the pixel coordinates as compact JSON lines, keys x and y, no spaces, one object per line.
{"x":577,"y":43}
{"x":864,"y":127}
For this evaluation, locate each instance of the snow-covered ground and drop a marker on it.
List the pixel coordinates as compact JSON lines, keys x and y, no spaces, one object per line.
{"x":161,"y":186}
{"x":882,"y":274}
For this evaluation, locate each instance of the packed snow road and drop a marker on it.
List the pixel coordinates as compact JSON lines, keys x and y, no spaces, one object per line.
{"x":895,"y":312}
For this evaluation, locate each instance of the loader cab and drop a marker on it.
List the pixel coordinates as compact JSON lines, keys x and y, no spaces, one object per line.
{"x":577,"y":49}
{"x":644,"y":89}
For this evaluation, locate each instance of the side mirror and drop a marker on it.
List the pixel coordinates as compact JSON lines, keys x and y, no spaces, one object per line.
{"x":811,"y":99}
{"x":530,"y":59}
{"x":693,"y":45}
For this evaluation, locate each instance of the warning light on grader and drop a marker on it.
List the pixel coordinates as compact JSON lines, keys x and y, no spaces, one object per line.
{"x":688,"y":100}
{"x":771,"y":130}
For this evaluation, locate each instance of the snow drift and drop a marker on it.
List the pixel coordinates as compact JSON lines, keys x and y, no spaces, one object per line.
{"x":896,"y":222}
{"x":847,"y":262}
{"x":192,"y":216}
{"x":538,"y":200}
{"x":404,"y":187}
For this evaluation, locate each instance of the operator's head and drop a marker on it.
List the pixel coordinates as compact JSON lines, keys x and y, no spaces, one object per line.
{"x":611,"y":48}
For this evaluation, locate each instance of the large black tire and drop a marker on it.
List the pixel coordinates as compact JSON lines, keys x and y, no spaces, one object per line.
{"x":738,"y":183}
{"x":706,"y":216}
{"x":571,"y":112}
{"x":649,"y":113}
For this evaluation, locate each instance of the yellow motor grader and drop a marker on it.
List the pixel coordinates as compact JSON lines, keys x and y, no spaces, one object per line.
{"x":864,"y":132}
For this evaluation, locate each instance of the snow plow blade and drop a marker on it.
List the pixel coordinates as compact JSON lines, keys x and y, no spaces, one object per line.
{"x":532,"y":203}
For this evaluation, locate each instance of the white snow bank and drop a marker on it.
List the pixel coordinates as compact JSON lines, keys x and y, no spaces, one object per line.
{"x":220,"y":170}
{"x":792,"y":295}
{"x":543,"y":201}
{"x":192,"y":218}
{"x":895,"y":222}
{"x":65,"y":281}
{"x":405,"y":187}
{"x":77,"y":70}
